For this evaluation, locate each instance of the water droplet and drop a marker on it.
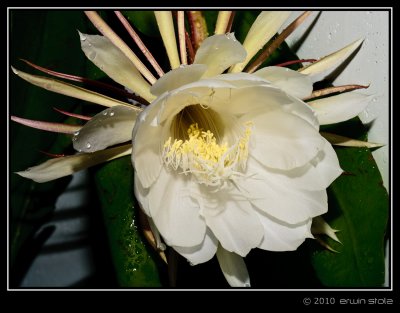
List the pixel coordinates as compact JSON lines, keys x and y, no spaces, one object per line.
{"x":105,"y":113}
{"x":82,"y":36}
{"x":76,"y":133}
{"x":88,"y":145}
{"x":112,"y":113}
{"x":134,"y":269}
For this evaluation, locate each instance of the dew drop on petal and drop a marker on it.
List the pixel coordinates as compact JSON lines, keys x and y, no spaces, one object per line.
{"x":112,"y":113}
{"x":88,"y":145}
{"x":82,"y":36}
{"x":105,"y":113}
{"x":76,"y":133}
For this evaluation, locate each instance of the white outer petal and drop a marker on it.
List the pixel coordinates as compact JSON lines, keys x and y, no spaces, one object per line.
{"x":233,"y":268}
{"x":202,"y":252}
{"x":177,"y":78}
{"x":282,"y":140}
{"x":174,"y":211}
{"x":263,"y":29}
{"x":107,"y":57}
{"x":219,"y":52}
{"x":339,"y":108}
{"x":281,"y":237}
{"x":235,"y":225}
{"x":294,"y":83}
{"x":64,"y":166}
{"x":109,"y":127}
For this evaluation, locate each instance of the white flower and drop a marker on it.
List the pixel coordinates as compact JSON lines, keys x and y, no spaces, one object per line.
{"x":232,"y":160}
{"x":224,"y":163}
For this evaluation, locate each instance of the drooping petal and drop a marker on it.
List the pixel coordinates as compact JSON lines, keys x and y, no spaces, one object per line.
{"x":63,"y":88}
{"x":234,"y":223}
{"x":107,"y":128}
{"x":48,"y":126}
{"x":174,"y":211}
{"x":233,"y":268}
{"x":339,"y":108}
{"x":292,"y":82}
{"x":177,"y":78}
{"x":64,"y":166}
{"x":284,"y":141}
{"x":319,"y":69}
{"x":202,"y":252}
{"x":283,"y":237}
{"x":219,"y":52}
{"x":102,"y":52}
{"x":264,"y":27}
{"x":288,"y":204}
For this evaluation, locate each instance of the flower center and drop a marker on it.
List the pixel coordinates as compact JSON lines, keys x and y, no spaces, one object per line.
{"x":200,"y":154}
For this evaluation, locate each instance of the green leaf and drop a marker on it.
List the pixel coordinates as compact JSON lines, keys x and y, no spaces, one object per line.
{"x":358,"y":207}
{"x":132,"y":257}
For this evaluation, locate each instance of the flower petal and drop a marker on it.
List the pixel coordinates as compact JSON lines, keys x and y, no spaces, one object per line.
{"x":64,"y":166}
{"x":141,"y":194}
{"x":285,"y":203}
{"x":283,"y":141}
{"x":234,"y":222}
{"x":107,"y":128}
{"x":233,"y":268}
{"x":219,"y":52}
{"x":339,"y":108}
{"x":343,"y":141}
{"x":264,"y":27}
{"x":70,"y":90}
{"x":107,"y":57}
{"x":318,"y":70}
{"x":202,"y":252}
{"x":174,"y":211}
{"x":318,"y":174}
{"x":292,"y":82}
{"x":283,"y":237}
{"x":320,"y":227}
{"x":177,"y":78}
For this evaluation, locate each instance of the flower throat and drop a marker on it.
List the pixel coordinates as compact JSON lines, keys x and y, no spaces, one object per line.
{"x":196,"y":148}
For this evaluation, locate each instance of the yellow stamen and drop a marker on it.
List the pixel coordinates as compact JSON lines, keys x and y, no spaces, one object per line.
{"x":210,"y":162}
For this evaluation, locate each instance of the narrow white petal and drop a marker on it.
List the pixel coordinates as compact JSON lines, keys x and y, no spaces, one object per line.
{"x":64,"y":166}
{"x":338,"y":140}
{"x":102,"y":52}
{"x":178,"y":77}
{"x":284,"y":141}
{"x":107,"y":128}
{"x":320,"y":68}
{"x":283,"y":237}
{"x":202,"y":252}
{"x":70,"y":90}
{"x":292,"y":82}
{"x":166,"y":26}
{"x":263,"y":29}
{"x":219,"y":52}
{"x":320,"y":227}
{"x":339,"y":108}
{"x":174,"y":210}
{"x":234,"y":223}
{"x":233,"y":268}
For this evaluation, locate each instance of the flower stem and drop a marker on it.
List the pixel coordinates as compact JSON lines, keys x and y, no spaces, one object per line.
{"x":181,"y":36}
{"x":140,"y":43}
